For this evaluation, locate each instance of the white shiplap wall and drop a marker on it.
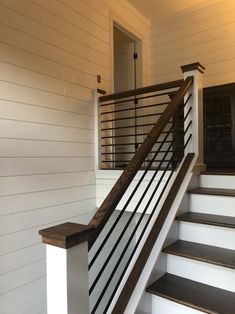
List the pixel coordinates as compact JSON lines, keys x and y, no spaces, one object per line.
{"x":205,"y":33}
{"x":50,"y":54}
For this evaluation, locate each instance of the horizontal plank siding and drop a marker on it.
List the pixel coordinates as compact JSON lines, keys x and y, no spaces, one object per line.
{"x":29,"y":184}
{"x":51,"y":53}
{"x":26,"y":298}
{"x":28,"y":237}
{"x":203,"y":33}
{"x":33,"y":166}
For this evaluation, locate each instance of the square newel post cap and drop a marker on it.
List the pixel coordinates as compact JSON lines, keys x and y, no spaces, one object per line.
{"x":193,"y":66}
{"x":66,"y":235}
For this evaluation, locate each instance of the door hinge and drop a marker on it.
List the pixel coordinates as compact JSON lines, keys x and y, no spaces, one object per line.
{"x":135,"y":55}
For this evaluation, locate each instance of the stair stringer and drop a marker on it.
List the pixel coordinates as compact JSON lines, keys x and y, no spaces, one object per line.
{"x":191,"y":180}
{"x":156,"y":264}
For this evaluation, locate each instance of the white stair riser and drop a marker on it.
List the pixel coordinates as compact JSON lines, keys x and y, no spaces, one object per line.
{"x":164,"y":306}
{"x":209,"y":274}
{"x":213,"y":204}
{"x":207,"y":234}
{"x":217,"y":181}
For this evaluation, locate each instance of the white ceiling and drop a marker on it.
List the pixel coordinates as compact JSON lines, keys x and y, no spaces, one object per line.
{"x":158,"y":9}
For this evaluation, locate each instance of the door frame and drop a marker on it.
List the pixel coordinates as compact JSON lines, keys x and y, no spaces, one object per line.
{"x":126,"y":28}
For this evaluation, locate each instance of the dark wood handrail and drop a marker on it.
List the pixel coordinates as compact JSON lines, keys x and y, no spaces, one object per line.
{"x":142,"y":90}
{"x":108,"y":206}
{"x":133,"y":278}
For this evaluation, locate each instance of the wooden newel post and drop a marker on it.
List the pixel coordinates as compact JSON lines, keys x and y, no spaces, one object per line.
{"x":196,"y":115}
{"x":67,"y":268}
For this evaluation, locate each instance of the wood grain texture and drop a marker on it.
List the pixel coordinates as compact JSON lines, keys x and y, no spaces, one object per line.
{"x":66,"y":235}
{"x":219,"y":172}
{"x":111,"y":201}
{"x":201,"y":252}
{"x":206,"y":219}
{"x":193,"y":66}
{"x":142,"y":90}
{"x":145,"y":252}
{"x":194,"y":294}
{"x":213,"y":191}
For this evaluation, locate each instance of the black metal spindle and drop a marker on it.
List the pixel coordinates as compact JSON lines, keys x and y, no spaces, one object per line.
{"x":132,"y":235}
{"x":128,"y":202}
{"x":129,"y":220}
{"x":139,"y":107}
{"x":150,"y":161}
{"x":131,"y":118}
{"x":138,"y":241}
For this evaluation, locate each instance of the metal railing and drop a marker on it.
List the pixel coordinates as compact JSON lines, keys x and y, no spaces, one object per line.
{"x":127,"y":225}
{"x":158,"y":152}
{"x":125,"y":122}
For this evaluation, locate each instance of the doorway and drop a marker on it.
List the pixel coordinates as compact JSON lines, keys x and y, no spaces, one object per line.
{"x":126,"y":56}
{"x":127,"y":76}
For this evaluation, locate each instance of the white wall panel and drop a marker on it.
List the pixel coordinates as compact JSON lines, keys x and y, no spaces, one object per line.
{"x":37,"y":200}
{"x":23,"y":257}
{"x":204,"y":33}
{"x":42,"y":132}
{"x":31,"y":27}
{"x":28,"y":184}
{"x":26,"y":299}
{"x":50,"y":55}
{"x":13,"y":38}
{"x":30,"y":166}
{"x":42,"y":116}
{"x":34,"y":97}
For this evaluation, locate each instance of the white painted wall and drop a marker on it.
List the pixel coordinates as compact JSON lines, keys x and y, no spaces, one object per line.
{"x":50,"y":54}
{"x":202,"y":33}
{"x":162,"y":306}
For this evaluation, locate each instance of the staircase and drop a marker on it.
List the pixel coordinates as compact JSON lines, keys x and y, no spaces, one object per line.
{"x":200,"y":267}
{"x":90,"y":273}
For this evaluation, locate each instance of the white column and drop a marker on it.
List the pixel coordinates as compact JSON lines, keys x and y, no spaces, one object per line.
{"x":196,"y":115}
{"x":67,"y":268}
{"x":96,"y":130}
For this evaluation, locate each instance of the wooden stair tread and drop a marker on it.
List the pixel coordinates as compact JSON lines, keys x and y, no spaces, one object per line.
{"x":219,"y":172}
{"x":194,"y":294}
{"x":201,"y":252}
{"x":207,"y":219}
{"x":213,"y":191}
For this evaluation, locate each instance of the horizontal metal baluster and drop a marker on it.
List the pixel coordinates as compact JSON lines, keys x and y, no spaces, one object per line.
{"x":146,"y":160}
{"x":133,"y":126}
{"x":125,"y":144}
{"x":132,"y":99}
{"x":139,"y":107}
{"x":132,"y":135}
{"x":129,"y":118}
{"x":127,"y":127}
{"x":124,"y":153}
